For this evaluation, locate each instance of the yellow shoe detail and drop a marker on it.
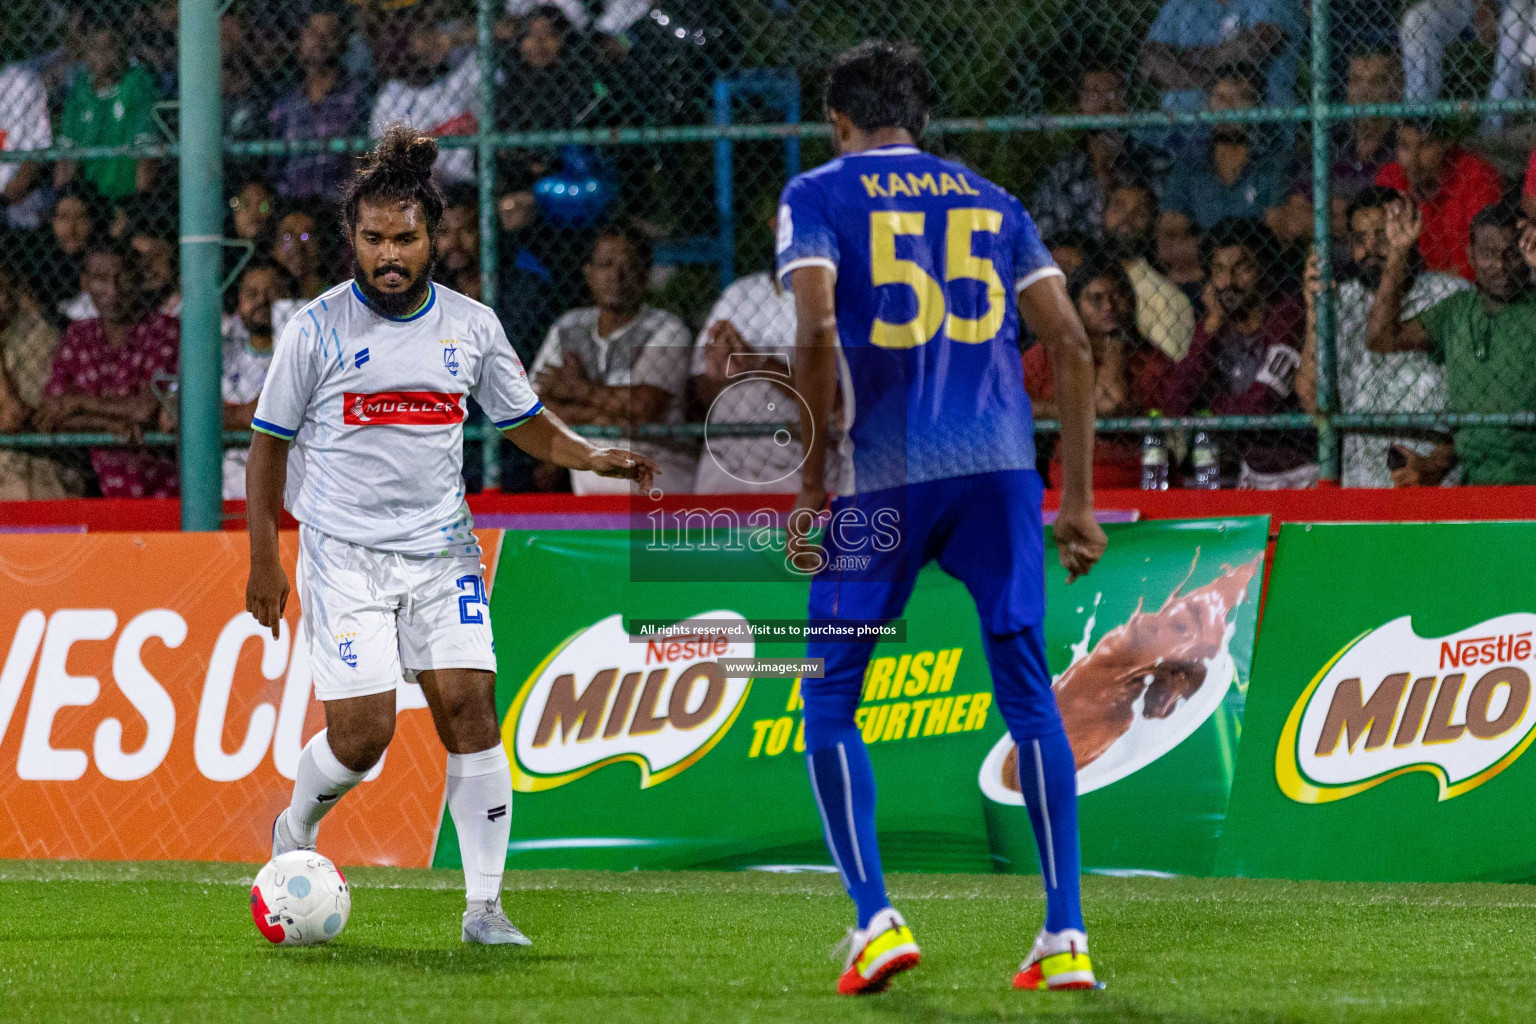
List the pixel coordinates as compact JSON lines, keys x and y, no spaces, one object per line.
{"x":881,"y":946}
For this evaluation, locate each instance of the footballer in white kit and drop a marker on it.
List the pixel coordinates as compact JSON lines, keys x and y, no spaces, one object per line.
{"x":359,"y":433}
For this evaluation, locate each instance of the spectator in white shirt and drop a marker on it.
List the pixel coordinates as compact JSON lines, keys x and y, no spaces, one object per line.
{"x":437,"y":96}
{"x":23,"y":125}
{"x":1382,"y":382}
{"x":247,"y":356}
{"x":741,"y":374}
{"x":620,"y":362}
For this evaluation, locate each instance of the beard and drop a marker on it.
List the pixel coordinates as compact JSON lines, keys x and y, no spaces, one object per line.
{"x":1128,"y":245}
{"x":1369,"y":274}
{"x":396,"y":304}
{"x":1234,"y":301}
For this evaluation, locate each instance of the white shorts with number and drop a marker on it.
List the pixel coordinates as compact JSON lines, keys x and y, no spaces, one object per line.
{"x":376,"y":617}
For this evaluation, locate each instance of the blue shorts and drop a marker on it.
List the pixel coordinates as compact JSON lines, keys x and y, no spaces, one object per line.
{"x":985,"y":531}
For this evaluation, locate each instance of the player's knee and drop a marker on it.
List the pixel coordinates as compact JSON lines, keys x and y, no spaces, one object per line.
{"x":467,"y":724}
{"x":827,"y":722}
{"x":359,"y":744}
{"x":1031,"y":721}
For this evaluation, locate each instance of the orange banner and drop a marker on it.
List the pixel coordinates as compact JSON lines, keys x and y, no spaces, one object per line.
{"x":145,"y":715}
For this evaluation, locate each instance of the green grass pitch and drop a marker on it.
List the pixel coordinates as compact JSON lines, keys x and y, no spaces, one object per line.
{"x":174,"y":942}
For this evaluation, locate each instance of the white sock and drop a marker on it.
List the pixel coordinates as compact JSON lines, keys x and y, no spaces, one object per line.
{"x":480,"y":800}
{"x":322,"y":782}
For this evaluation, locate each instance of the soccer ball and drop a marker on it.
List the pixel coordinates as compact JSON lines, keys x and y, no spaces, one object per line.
{"x":300,"y":899}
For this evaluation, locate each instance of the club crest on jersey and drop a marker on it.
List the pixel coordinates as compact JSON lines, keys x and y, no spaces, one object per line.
{"x":419,"y":408}
{"x":344,"y":649}
{"x":450,"y":355}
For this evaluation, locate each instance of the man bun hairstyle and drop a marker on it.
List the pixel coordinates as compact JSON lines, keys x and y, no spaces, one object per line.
{"x":399,"y":169}
{"x":880,"y":84}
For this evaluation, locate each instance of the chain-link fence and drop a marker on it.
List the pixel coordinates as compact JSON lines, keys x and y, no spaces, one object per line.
{"x":613,"y":166}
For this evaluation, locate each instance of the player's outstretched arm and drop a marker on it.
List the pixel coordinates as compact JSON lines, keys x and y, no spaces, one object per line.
{"x":1048,"y":310}
{"x":549,"y":440}
{"x":815,"y":378}
{"x":266,"y":473}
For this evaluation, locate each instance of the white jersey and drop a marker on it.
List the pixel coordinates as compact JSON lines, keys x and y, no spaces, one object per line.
{"x":375,"y":408}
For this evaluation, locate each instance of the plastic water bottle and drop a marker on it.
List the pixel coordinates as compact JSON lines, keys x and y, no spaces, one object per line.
{"x":1206,"y":462}
{"x":1154,"y":462}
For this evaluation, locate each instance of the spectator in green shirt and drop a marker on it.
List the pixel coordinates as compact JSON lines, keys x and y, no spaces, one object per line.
{"x":1486,"y":337}
{"x":112,"y":104}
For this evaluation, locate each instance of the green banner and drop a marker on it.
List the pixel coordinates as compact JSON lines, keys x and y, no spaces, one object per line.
{"x":644,"y":754}
{"x":1386,"y":733}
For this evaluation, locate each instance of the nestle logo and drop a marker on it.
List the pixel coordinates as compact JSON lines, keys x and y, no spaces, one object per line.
{"x":1485,"y":650}
{"x":686,"y":648}
{"x":420,"y":408}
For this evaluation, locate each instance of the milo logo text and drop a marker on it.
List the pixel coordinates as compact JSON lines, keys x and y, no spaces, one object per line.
{"x":600,"y":698}
{"x":1392,"y":702}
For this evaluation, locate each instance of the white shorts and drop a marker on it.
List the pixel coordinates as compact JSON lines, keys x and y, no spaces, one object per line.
{"x":377,"y":617}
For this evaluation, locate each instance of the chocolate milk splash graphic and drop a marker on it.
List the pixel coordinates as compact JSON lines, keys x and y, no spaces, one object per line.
{"x":1158,"y":657}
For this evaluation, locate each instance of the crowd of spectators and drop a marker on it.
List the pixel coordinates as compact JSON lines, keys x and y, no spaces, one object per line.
{"x":1190,"y":247}
{"x":1186,"y":248}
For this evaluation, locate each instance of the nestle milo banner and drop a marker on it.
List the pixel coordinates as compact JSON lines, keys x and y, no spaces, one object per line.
{"x":1387,"y":732}
{"x":634,"y":753}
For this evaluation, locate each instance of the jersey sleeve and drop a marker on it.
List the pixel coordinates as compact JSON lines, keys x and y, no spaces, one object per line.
{"x":806,"y":235}
{"x":290,"y":384}
{"x":503,"y":390}
{"x":1438,"y":321}
{"x":1032,"y":261}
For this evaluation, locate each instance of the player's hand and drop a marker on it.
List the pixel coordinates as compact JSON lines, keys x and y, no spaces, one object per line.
{"x":51,"y":413}
{"x":266,"y":594}
{"x":565,"y":381}
{"x":1404,"y":225}
{"x":1313,"y":285}
{"x":724,"y":341}
{"x":1080,"y":541}
{"x":803,"y":554}
{"x":623,"y":464}
{"x":1211,"y":300}
{"x":1528,"y":242}
{"x":1417,"y":471}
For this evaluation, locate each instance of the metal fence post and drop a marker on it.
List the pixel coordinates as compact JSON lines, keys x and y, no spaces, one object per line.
{"x":201,"y":231}
{"x":725,"y":195}
{"x":1322,"y":242}
{"x":485,"y":22}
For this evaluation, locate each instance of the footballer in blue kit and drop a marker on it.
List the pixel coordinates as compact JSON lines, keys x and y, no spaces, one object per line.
{"x":910,"y":274}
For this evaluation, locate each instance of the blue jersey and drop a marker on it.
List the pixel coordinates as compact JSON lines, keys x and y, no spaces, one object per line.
{"x":929,"y":258}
